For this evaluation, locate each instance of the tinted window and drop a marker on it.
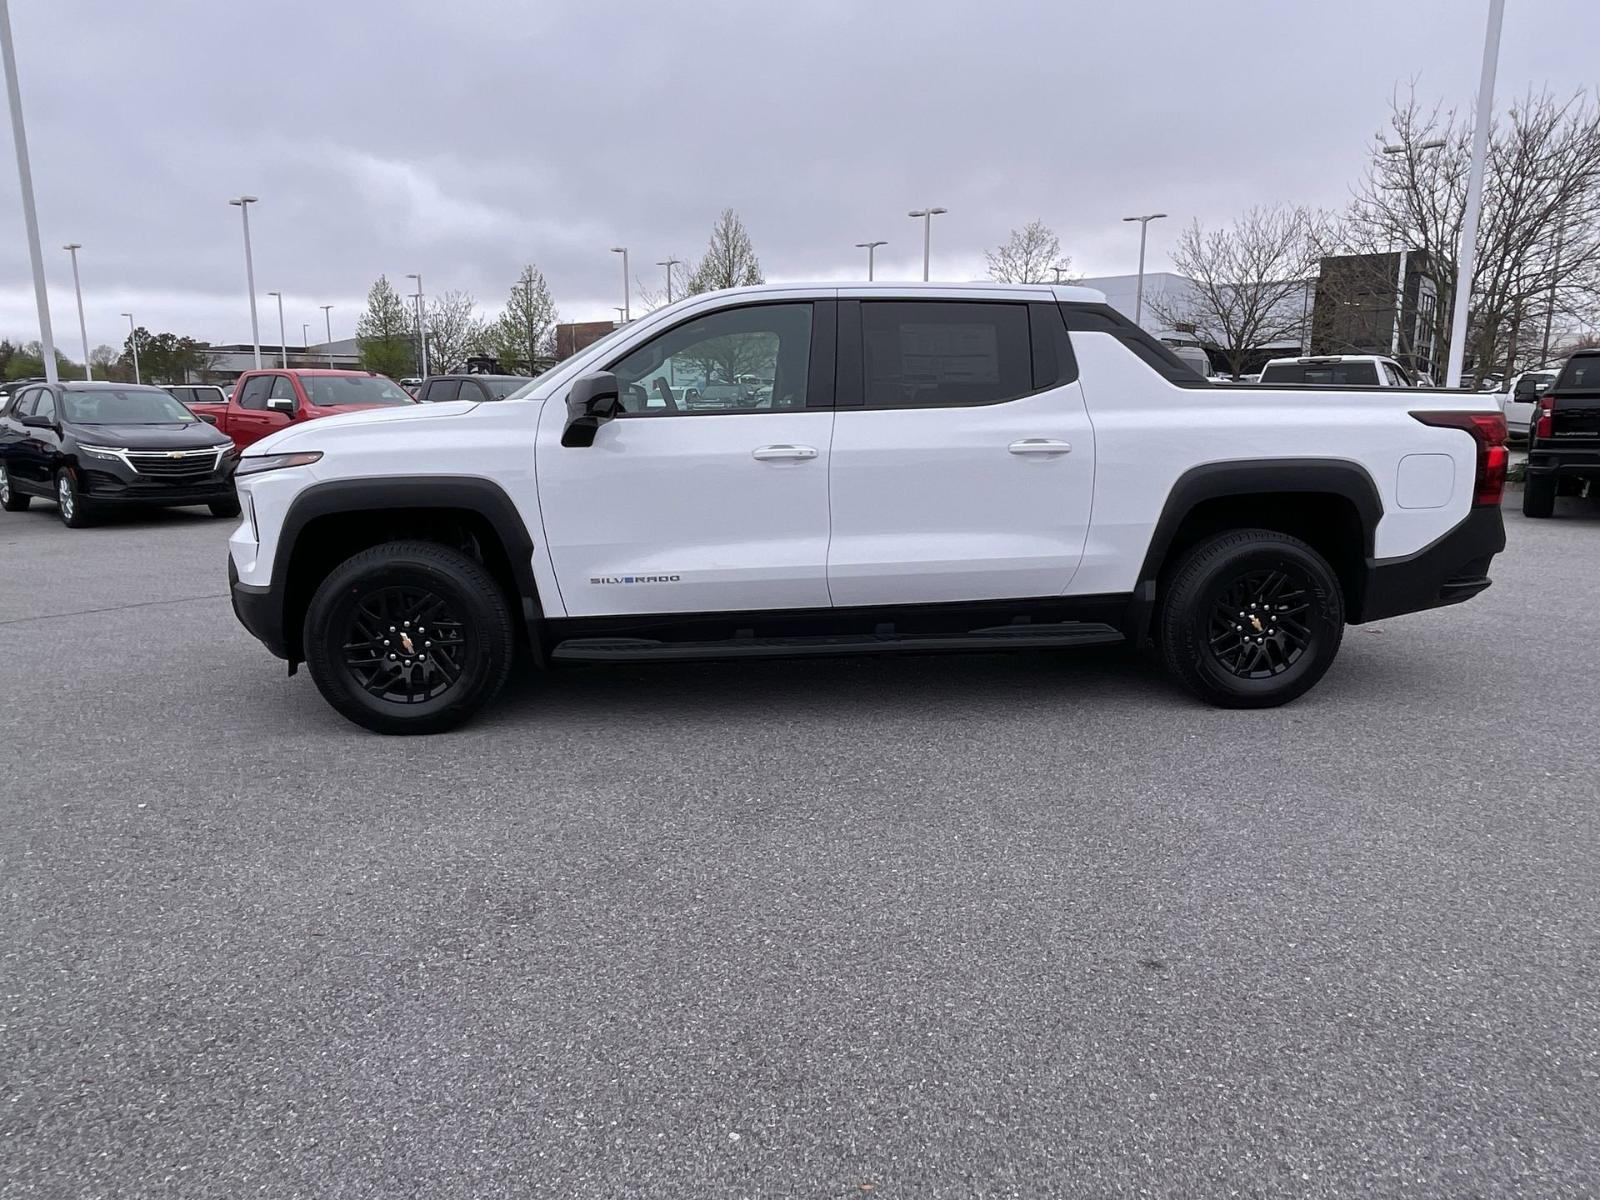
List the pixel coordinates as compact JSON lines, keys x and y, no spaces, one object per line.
{"x":499,"y":389}
{"x":282,"y":389}
{"x":933,"y":353}
{"x":1580,"y":374}
{"x":441,"y":390}
{"x":328,"y":390}
{"x":25,"y":403}
{"x":45,"y":405}
{"x":742,"y":359}
{"x":1355,"y":374}
{"x":255,"y":392}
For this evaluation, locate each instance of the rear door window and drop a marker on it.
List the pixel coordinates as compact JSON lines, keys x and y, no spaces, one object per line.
{"x":944,"y":353}
{"x":1580,"y":374}
{"x":441,"y":390}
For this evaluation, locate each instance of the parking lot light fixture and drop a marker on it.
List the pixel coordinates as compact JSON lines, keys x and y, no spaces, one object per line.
{"x":30,"y":218}
{"x":1467,"y":250}
{"x":1138,"y":288}
{"x":627,"y":311}
{"x":72,"y":248}
{"x":1430,"y":144}
{"x":133,"y":340}
{"x":870,"y":248}
{"x":669,"y":264}
{"x":243,"y":203}
{"x":327,"y":327}
{"x":422,"y":326}
{"x":927,"y":215}
{"x":283,"y":340}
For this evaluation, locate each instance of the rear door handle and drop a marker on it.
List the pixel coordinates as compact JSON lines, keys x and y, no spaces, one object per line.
{"x":771,"y":453}
{"x":1040,"y":446}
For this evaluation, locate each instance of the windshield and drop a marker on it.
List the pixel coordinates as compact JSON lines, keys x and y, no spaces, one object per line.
{"x":327,"y":390}
{"x":501,"y":388}
{"x":123,"y":406}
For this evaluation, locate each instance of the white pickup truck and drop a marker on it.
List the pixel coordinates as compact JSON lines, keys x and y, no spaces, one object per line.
{"x":933,"y":467}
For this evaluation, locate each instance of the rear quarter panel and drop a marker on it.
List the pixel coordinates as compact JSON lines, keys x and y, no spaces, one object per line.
{"x":1148,"y":432}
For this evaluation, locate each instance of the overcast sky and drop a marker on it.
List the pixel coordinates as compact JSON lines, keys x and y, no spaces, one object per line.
{"x":462,"y":139}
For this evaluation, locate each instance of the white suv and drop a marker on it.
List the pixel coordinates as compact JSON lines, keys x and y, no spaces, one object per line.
{"x":932,"y":467}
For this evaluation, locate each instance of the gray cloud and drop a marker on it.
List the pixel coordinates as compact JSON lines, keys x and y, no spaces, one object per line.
{"x":461,"y":140}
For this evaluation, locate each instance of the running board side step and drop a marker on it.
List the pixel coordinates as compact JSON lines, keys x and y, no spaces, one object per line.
{"x":1004,"y":637}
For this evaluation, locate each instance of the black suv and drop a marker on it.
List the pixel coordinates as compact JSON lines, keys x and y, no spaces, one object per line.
{"x":1564,"y":436}
{"x":437,"y":388}
{"x":93,"y":445}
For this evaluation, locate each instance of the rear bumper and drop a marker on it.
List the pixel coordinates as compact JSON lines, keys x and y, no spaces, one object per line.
{"x":1575,"y":461}
{"x":259,"y":611}
{"x":1447,"y":571}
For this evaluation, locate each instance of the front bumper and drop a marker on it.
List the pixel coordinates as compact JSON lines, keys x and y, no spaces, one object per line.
{"x":110,"y":483}
{"x":259,"y":611}
{"x":1451,"y":569}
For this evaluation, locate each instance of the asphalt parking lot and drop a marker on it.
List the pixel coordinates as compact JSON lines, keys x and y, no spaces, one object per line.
{"x":931,"y":927}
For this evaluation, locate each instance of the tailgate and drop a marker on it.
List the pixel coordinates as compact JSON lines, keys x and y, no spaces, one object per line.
{"x":1575,"y":418}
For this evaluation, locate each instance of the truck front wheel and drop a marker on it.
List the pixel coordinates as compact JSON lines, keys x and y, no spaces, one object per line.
{"x":1251,"y":619}
{"x":408,"y":637}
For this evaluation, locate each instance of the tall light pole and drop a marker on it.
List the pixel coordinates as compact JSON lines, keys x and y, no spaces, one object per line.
{"x":283,"y":338}
{"x":327,"y":325}
{"x":669,"y":264}
{"x":422,"y":328}
{"x":927,"y":215}
{"x":72,"y":248}
{"x":1138,"y":288}
{"x":627,"y":304}
{"x":305,"y":336}
{"x":243,"y":203}
{"x":30,"y":219}
{"x":133,"y":334}
{"x":870,"y":248}
{"x":1467,"y":252}
{"x":1058,"y":268}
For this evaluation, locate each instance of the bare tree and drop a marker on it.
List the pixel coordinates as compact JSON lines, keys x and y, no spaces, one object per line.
{"x":454,"y":329}
{"x":1537,"y":263}
{"x":1030,"y":255}
{"x":730,"y":260}
{"x":652,"y":297}
{"x":1247,"y":282}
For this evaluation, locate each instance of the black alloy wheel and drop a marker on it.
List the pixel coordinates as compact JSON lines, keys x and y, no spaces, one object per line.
{"x":1250,"y":618}
{"x":409,"y":637}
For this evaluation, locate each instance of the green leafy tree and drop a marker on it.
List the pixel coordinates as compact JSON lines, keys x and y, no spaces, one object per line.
{"x":730,"y":260}
{"x":27,"y":361}
{"x":526,"y":330}
{"x":383,"y":334}
{"x":165,"y":357}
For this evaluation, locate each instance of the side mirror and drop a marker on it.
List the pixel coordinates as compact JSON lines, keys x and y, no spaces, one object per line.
{"x":35,"y":421}
{"x":281,"y":404}
{"x":593,"y":400}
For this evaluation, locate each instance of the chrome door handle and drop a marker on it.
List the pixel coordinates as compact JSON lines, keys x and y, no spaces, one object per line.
{"x":1040,"y":446}
{"x":771,"y":453}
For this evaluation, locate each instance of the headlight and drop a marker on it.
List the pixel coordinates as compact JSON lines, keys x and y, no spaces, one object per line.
{"x":116,"y":452}
{"x":254,"y":464}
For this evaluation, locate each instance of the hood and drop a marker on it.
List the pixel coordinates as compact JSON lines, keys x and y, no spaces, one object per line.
{"x":356,"y":415}
{"x":175,"y":435}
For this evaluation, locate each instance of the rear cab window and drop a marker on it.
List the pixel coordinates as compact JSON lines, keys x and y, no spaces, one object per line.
{"x":1581,"y":374}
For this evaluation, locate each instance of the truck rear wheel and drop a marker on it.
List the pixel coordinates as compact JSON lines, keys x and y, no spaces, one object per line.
{"x":1251,"y":619}
{"x":408,"y":637}
{"x":1539,"y":496}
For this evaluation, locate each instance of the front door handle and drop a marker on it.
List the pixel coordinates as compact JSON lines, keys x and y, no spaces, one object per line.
{"x":771,"y":453}
{"x":1040,"y":446}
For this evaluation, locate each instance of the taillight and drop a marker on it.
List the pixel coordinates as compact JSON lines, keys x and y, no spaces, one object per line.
{"x":1489,"y":431}
{"x":1547,"y":419}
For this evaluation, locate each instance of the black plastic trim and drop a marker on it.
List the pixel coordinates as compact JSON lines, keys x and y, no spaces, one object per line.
{"x":1450,"y":569}
{"x":1247,"y":477}
{"x":385,"y":495}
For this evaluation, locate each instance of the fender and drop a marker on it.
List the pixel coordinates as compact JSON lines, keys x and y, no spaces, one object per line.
{"x":1245,"y":477}
{"x":388,"y":493}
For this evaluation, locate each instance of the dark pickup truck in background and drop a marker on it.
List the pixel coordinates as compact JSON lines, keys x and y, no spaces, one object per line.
{"x":1564,"y":437}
